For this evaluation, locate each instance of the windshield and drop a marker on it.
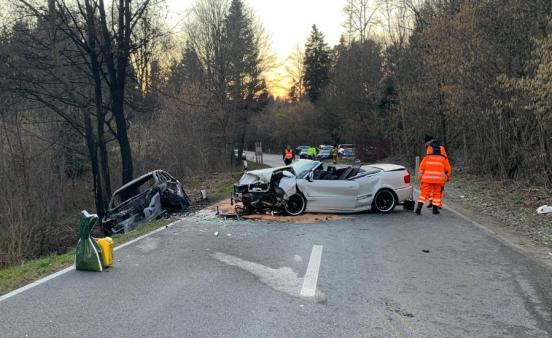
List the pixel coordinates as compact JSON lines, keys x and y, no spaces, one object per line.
{"x":302,"y":168}
{"x":133,"y":189}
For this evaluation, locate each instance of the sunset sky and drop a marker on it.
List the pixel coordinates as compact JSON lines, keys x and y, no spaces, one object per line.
{"x":288,"y":22}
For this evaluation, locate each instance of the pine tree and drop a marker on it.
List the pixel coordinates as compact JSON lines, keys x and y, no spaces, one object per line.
{"x":193,"y":71}
{"x":187,"y":71}
{"x":317,"y":64}
{"x":246,"y":91}
{"x":243,"y":55}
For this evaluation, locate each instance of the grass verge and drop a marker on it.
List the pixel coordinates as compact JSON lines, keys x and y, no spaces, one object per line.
{"x":16,"y":276}
{"x":218,"y":185}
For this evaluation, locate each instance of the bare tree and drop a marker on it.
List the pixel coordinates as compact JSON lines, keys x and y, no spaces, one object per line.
{"x":361,"y":16}
{"x":295,"y":69}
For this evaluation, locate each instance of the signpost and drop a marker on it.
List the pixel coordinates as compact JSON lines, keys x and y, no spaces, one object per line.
{"x":258,"y":153}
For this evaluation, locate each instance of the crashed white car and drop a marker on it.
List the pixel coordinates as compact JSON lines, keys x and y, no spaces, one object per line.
{"x":313,"y":186}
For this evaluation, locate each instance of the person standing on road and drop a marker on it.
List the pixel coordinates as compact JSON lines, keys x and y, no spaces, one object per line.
{"x":431,"y":143}
{"x":333,"y":154}
{"x":435,"y":171}
{"x":288,"y":155}
{"x":311,"y":152}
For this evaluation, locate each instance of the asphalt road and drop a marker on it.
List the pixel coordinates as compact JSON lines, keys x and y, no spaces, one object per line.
{"x":270,"y":160}
{"x":394,"y":275}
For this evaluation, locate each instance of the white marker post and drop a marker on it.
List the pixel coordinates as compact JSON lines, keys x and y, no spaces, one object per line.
{"x":416,"y":169}
{"x":311,"y":276}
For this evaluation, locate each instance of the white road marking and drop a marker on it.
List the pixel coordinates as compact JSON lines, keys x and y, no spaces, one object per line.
{"x":38,"y":282}
{"x":311,"y":276}
{"x":283,"y":279}
{"x":72,"y":267}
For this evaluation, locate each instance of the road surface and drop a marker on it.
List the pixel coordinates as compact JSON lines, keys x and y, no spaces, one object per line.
{"x":368,"y":275}
{"x":270,"y":160}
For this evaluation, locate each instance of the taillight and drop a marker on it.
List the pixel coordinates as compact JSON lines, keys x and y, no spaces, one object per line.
{"x":407,"y":179}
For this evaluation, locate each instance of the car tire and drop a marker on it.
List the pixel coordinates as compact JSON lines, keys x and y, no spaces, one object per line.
{"x":384,"y":202}
{"x":296,"y":205}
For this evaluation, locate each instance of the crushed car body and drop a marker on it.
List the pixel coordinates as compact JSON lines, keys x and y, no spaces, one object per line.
{"x":143,"y":199}
{"x":313,"y":186}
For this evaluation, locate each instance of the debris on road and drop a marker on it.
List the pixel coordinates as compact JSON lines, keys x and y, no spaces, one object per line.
{"x":228,"y":209}
{"x":216,"y":234}
{"x":425,"y":250}
{"x":544,"y":209}
{"x":396,"y":308}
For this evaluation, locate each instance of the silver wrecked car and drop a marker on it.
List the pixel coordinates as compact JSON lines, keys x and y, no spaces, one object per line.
{"x":312,"y":186}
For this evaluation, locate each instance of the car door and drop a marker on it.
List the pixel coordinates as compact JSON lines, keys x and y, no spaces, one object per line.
{"x":330,"y":195}
{"x":367,"y":181}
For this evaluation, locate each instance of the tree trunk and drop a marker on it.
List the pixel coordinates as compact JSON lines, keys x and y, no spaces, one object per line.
{"x":117,"y":62}
{"x":124,"y":143}
{"x":98,"y":100}
{"x":93,"y":154}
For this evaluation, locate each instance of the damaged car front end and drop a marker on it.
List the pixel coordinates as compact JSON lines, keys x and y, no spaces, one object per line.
{"x":271,"y":189}
{"x":143,"y":199}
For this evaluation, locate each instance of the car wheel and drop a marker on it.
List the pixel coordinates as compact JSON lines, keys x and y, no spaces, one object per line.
{"x":296,"y":205}
{"x":384,"y":201}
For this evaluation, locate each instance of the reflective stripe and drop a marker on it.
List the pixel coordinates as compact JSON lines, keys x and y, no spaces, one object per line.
{"x":436,"y":163}
{"x":434,"y":172}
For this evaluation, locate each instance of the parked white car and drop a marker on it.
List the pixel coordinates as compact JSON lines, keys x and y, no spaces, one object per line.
{"x":312,"y":186}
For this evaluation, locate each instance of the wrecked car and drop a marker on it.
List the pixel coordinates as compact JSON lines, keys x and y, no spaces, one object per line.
{"x":313,"y":186}
{"x":143,"y":199}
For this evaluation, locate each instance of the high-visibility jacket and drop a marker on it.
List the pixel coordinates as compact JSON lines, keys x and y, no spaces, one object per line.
{"x":311,"y":151}
{"x":435,"y":169}
{"x":288,"y":154}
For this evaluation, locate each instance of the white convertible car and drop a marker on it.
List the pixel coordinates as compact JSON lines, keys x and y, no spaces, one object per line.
{"x":313,"y":186}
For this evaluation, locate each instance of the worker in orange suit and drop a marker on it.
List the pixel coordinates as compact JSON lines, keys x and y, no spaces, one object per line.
{"x":435,"y":171}
{"x":430,"y":143}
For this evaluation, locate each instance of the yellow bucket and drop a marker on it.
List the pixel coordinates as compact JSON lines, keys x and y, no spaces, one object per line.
{"x":106,"y":244}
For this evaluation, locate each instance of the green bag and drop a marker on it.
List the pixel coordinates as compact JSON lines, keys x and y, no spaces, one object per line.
{"x":88,"y":254}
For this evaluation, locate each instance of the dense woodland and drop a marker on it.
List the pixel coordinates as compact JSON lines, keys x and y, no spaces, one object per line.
{"x":94,"y":93}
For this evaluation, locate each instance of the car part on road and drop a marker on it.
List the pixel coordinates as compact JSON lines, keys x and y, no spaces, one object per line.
{"x":544,"y":209}
{"x":143,"y":199}
{"x":409,"y":205}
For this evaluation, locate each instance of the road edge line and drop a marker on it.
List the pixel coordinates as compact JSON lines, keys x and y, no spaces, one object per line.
{"x":502,"y":239}
{"x":72,"y":267}
{"x":311,"y":276}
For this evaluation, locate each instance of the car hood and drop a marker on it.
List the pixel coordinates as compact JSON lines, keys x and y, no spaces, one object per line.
{"x":261,"y":175}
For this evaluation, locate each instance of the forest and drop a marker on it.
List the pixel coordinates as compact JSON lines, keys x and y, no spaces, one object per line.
{"x":94,"y":93}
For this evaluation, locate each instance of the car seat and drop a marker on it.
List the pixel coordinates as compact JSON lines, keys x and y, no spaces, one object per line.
{"x":344,"y":175}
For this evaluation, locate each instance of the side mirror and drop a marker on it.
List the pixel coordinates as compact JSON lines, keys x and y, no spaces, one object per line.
{"x":310,"y":177}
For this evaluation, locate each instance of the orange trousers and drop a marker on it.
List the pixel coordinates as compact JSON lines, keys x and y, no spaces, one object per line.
{"x":432,"y":190}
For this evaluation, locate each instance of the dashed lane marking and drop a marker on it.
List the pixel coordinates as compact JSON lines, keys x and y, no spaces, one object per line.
{"x":311,"y":276}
